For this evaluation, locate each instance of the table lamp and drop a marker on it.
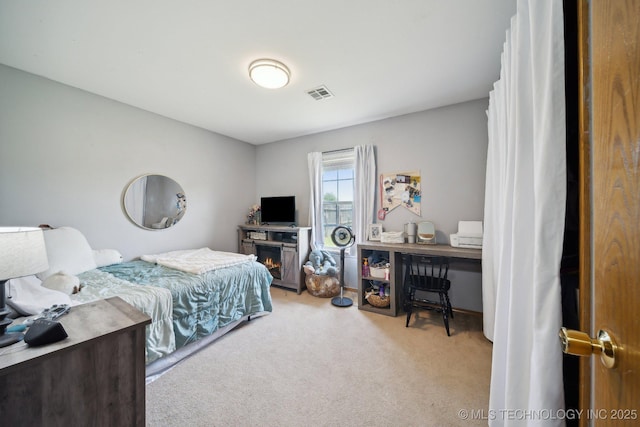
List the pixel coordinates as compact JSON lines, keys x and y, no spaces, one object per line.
{"x":22,"y":253}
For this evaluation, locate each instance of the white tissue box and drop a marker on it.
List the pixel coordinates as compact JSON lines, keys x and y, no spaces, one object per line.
{"x":392,"y":237}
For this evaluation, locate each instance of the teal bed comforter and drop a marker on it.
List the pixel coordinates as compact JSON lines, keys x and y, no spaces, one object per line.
{"x":156,"y":303}
{"x":203,"y":303}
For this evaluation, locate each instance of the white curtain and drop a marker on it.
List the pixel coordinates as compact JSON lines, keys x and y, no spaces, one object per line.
{"x":314,"y":161}
{"x":524,"y":220}
{"x":365,"y":190}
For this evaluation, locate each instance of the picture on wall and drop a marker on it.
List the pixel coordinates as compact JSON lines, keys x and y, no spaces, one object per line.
{"x":401,"y":189}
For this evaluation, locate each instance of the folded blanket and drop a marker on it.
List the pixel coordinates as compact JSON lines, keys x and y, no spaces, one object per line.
{"x":198,"y":261}
{"x":27,"y":296}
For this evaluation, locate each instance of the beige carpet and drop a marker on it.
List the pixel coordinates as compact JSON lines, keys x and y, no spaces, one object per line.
{"x":312,"y":364}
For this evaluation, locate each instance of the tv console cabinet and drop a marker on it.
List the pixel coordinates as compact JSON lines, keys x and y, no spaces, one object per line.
{"x":283,"y":250}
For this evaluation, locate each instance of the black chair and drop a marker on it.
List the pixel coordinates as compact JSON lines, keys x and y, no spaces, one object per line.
{"x":425,"y":277}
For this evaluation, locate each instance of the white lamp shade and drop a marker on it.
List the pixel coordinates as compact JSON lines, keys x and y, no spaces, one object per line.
{"x":22,"y":252}
{"x":269,"y":73}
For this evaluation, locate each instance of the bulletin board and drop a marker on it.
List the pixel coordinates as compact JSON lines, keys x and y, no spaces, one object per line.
{"x":400,"y":189}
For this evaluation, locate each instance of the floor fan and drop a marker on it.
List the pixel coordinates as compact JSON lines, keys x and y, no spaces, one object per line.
{"x":342,"y":237}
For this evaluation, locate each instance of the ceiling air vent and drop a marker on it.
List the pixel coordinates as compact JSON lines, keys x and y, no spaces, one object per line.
{"x":320,"y":93}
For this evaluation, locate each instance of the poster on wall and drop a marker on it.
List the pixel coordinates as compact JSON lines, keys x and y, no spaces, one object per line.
{"x":400,"y":189}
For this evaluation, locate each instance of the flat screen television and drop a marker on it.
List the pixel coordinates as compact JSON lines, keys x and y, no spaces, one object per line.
{"x":278,"y":210}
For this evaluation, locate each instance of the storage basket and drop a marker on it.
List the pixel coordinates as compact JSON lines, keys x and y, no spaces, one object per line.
{"x":322,"y":286}
{"x":376,"y":300}
{"x":377,"y":272}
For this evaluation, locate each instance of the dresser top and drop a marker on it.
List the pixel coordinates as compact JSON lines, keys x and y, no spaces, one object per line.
{"x":83,"y":323}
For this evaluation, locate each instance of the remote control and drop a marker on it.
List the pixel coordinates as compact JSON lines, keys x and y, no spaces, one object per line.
{"x":50,"y":313}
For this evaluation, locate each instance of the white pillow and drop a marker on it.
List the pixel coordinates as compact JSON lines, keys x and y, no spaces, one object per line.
{"x":27,"y":296}
{"x":62,"y":282}
{"x":68,"y":251}
{"x":104,"y":257}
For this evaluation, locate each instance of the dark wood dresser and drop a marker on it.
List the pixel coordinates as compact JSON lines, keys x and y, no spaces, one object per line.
{"x":96,"y":376}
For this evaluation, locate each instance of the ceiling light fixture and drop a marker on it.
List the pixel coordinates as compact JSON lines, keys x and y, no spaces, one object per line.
{"x":269,"y":73}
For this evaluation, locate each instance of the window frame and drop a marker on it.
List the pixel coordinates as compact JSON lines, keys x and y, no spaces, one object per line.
{"x":338,"y":160}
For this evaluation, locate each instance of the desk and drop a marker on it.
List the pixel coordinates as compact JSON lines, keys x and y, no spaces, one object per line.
{"x":394,"y":252}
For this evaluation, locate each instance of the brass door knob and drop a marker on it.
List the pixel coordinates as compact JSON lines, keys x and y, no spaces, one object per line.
{"x":581,"y":344}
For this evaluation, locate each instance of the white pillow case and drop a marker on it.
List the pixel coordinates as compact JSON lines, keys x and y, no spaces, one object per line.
{"x":104,"y":257}
{"x":68,"y":251}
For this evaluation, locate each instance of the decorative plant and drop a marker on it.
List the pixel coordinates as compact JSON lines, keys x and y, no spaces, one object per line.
{"x":254,"y":215}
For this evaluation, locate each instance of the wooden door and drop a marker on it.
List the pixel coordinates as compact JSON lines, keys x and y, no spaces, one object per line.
{"x":610,"y":41}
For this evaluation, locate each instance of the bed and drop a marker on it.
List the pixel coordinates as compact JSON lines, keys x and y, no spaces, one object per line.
{"x":192,"y":296}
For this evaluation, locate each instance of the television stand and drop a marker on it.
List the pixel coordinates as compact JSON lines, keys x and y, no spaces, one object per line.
{"x":282,"y":249}
{"x":266,"y":224}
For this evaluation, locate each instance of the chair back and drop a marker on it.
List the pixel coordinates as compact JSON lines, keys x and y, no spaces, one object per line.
{"x":427,"y":272}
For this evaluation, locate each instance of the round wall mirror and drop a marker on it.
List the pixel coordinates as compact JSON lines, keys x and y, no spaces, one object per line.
{"x":154,"y":202}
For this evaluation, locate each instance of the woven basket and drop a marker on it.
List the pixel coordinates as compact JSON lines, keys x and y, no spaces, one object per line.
{"x":322,"y":286}
{"x":376,"y":300}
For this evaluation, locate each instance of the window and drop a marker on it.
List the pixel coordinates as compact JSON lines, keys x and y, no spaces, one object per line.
{"x":338,"y":171}
{"x":355,"y":169}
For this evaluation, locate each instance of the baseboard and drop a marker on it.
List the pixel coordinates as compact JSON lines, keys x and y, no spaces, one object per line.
{"x":457,"y":310}
{"x":465,"y":311}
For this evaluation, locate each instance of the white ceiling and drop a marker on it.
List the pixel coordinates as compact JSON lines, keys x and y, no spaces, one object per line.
{"x":188,"y":59}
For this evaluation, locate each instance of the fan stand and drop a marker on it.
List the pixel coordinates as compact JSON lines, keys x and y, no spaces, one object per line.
{"x":342,"y":301}
{"x":342,"y":237}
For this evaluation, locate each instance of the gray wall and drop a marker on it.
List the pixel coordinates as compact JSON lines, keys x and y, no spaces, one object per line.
{"x":447,"y":145}
{"x":66,"y":157}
